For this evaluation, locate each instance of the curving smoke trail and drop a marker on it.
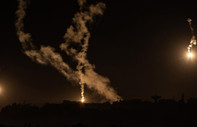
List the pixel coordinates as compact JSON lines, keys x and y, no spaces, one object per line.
{"x":76,"y":35}
{"x":193,"y":39}
{"x":46,"y":54}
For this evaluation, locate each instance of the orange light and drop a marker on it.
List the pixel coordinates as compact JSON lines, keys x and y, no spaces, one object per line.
{"x":82,"y":100}
{"x":1,"y":90}
{"x":190,"y":55}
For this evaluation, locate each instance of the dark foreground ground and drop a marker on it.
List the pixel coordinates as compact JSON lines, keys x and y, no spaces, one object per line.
{"x":132,"y":113}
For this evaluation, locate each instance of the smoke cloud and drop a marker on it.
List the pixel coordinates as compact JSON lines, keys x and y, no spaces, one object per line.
{"x":193,"y":39}
{"x":77,"y":35}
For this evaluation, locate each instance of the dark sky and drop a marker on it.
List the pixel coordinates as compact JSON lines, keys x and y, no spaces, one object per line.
{"x":141,"y":46}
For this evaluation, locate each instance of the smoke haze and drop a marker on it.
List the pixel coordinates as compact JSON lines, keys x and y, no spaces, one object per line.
{"x":75,"y":46}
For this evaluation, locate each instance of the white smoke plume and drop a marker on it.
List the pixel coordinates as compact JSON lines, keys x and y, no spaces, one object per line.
{"x":193,"y":39}
{"x":77,"y":34}
{"x":47,"y":54}
{"x":81,"y":3}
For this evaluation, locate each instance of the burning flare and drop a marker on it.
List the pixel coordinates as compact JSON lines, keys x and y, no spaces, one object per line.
{"x":82,"y":97}
{"x":82,"y":92}
{"x":190,"y":55}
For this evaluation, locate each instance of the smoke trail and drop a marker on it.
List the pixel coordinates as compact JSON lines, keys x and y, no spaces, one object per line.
{"x":76,"y":35}
{"x":24,"y":38}
{"x":81,"y":3}
{"x":80,"y":35}
{"x":46,"y":54}
{"x":193,"y":39}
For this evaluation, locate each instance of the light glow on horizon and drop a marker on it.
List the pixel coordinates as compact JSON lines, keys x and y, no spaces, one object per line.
{"x":1,"y":90}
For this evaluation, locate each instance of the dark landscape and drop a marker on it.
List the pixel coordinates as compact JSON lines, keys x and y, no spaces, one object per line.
{"x":96,"y":63}
{"x":130,"y":113}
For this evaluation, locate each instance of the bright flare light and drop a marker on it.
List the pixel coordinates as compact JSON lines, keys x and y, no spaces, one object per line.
{"x":82,"y":93}
{"x":82,"y":100}
{"x":190,"y":55}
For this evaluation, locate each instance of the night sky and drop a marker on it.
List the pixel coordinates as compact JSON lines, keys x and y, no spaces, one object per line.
{"x":140,"y":46}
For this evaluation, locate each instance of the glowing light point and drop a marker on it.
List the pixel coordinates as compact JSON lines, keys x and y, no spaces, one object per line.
{"x":190,"y":55}
{"x":82,"y":100}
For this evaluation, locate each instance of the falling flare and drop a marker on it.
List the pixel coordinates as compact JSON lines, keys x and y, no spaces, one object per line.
{"x":82,"y":93}
{"x":193,"y":39}
{"x":82,"y":100}
{"x":190,"y":55}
